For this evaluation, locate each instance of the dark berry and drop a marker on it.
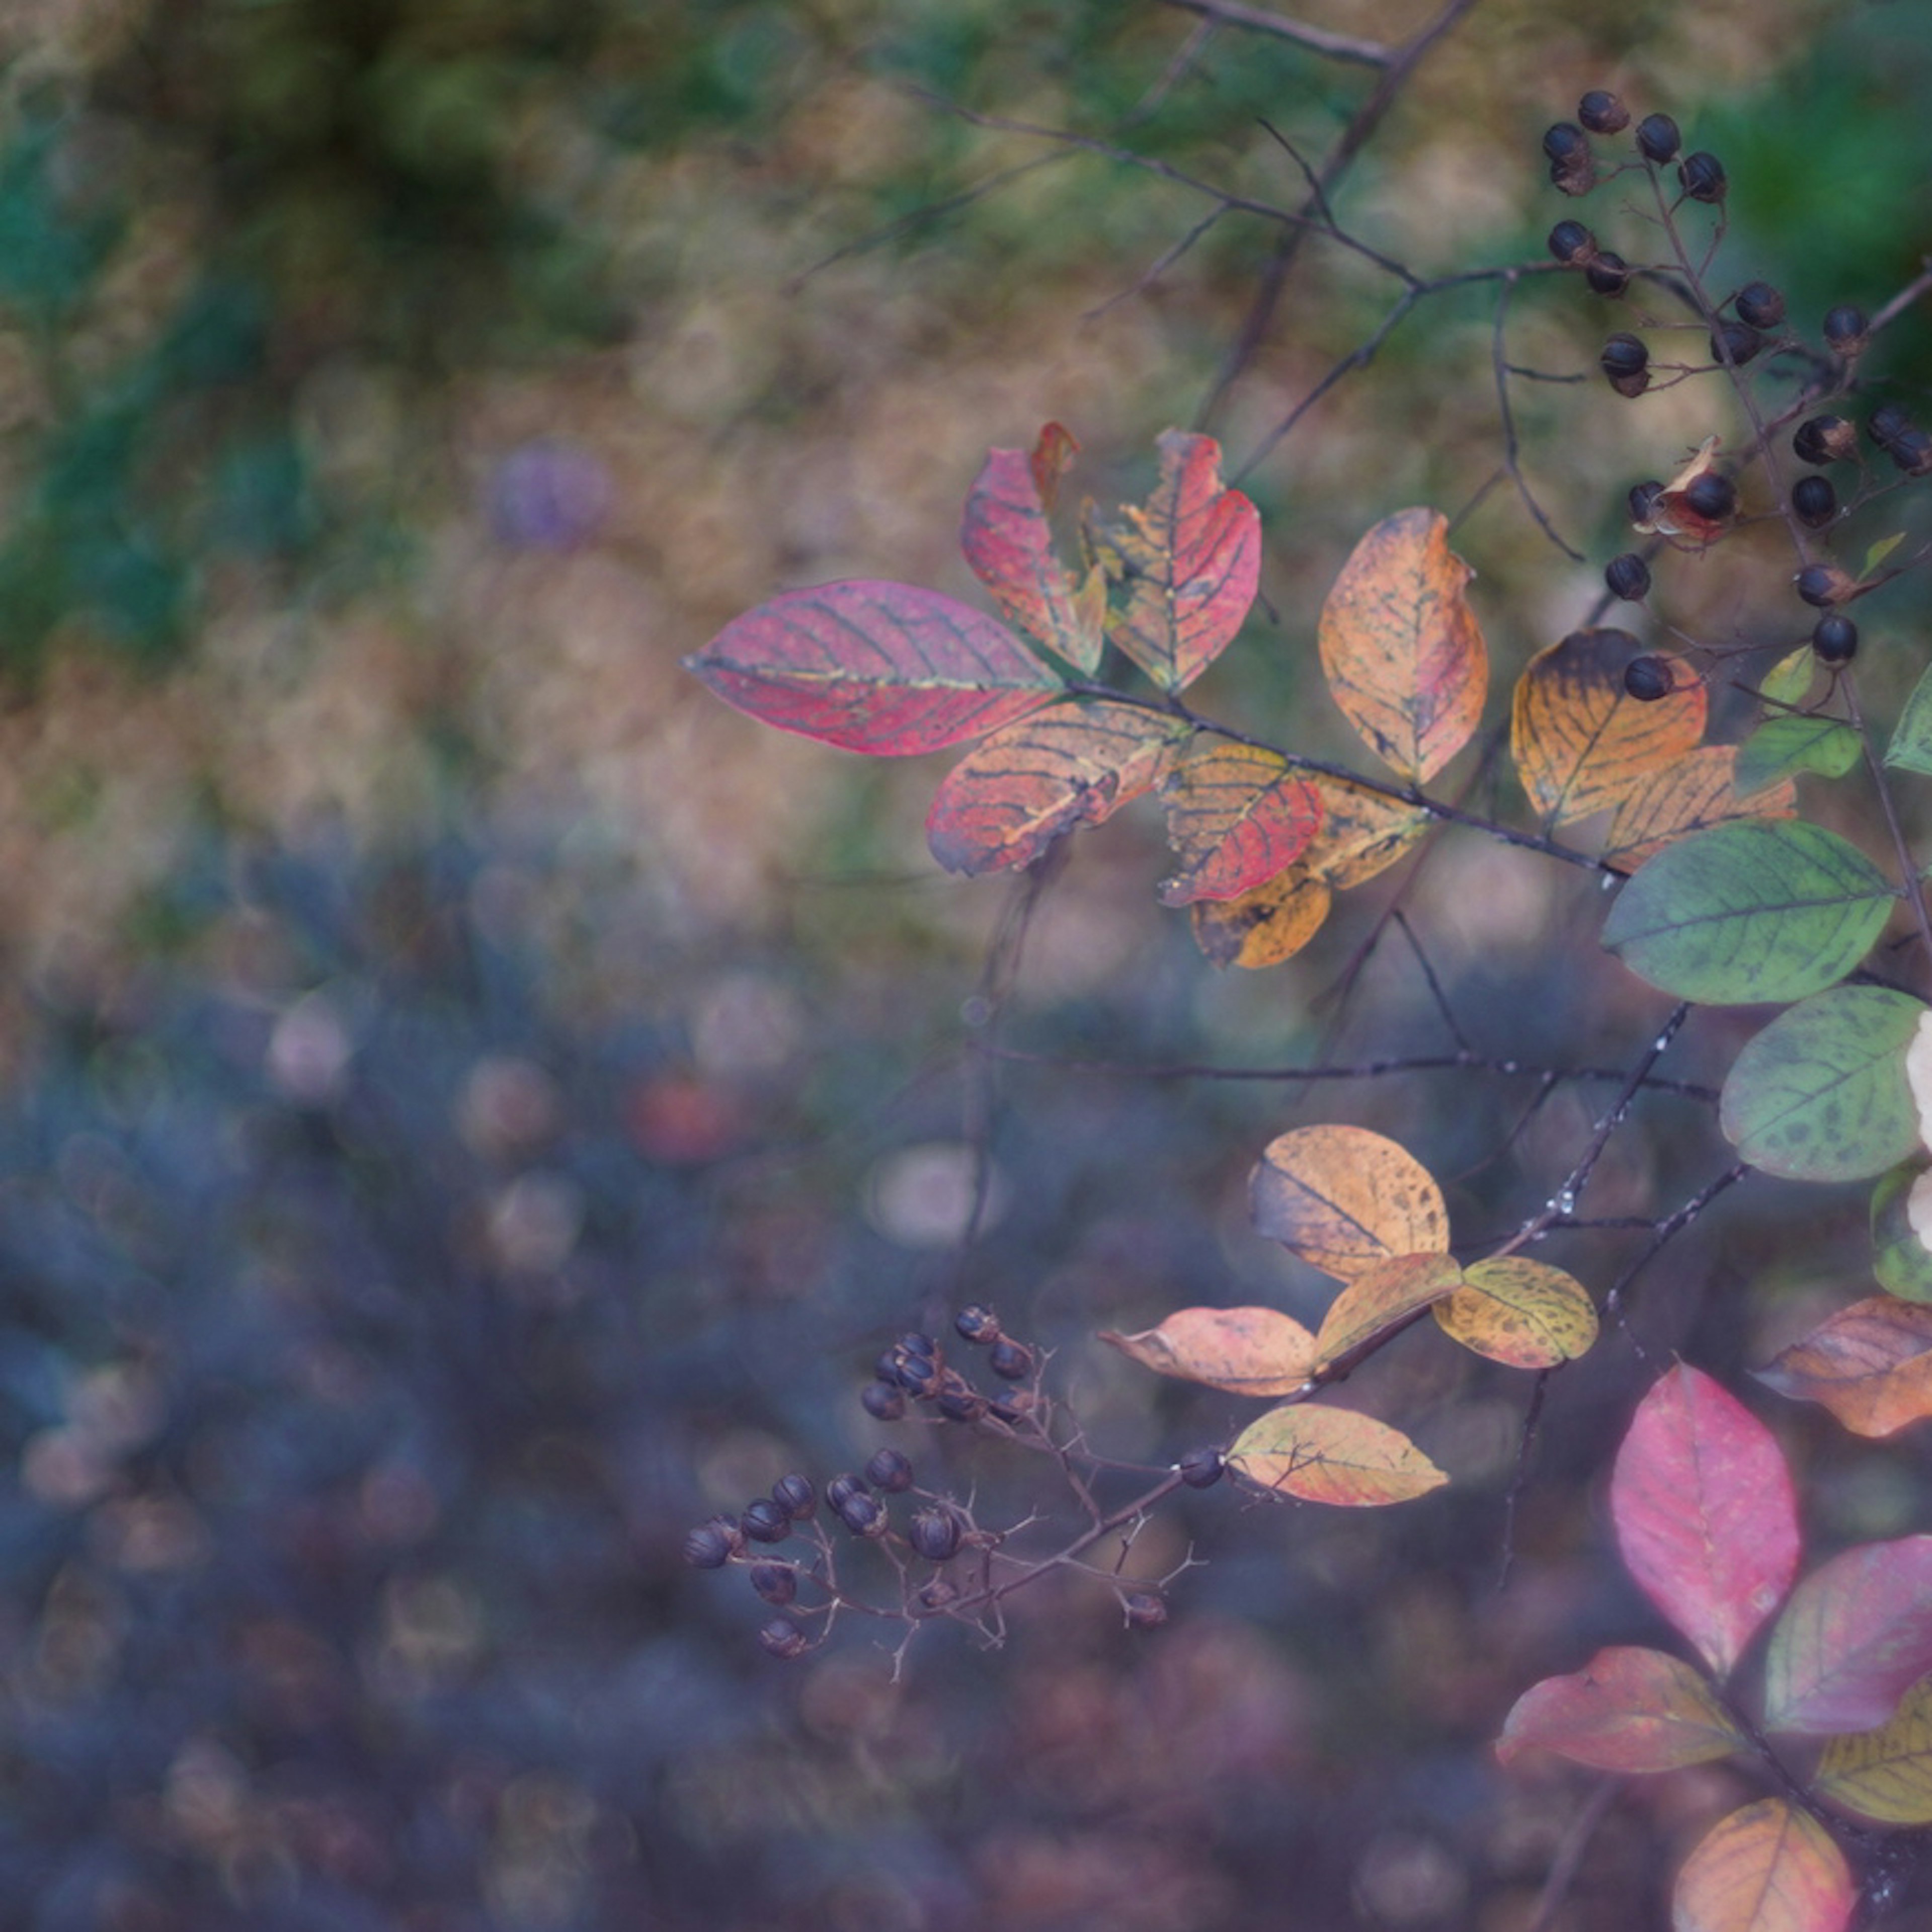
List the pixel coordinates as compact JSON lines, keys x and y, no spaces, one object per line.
{"x":1011,"y":1361}
{"x":1647,"y":679}
{"x":1609,"y":274}
{"x":1642,"y":499}
{"x":1738,"y":340}
{"x":1711,"y":496}
{"x":1912,"y":450}
{"x":1888,"y":423}
{"x":1813,"y":501}
{"x":1627,"y":577}
{"x":1835,"y":639}
{"x":1201,"y":1469}
{"x":961,"y":1402}
{"x":889,"y":1470}
{"x":977,"y":1323}
{"x":707,"y":1547}
{"x":862,"y":1515}
{"x":1846,"y":328}
{"x":882,"y":1404}
{"x":1825,"y":439}
{"x":1145,"y":1611}
{"x":796,"y":1496}
{"x":1626,"y":362}
{"x":1824,"y":584}
{"x":1602,"y":113}
{"x":1571,"y":241}
{"x":886,"y":1369}
{"x":1760,"y":305}
{"x":1657,"y":139}
{"x":840,"y":1490}
{"x":782,"y":1637}
{"x":923,"y":1346}
{"x":1701,"y":177}
{"x":776,"y":1582}
{"x":916,"y":1374}
{"x":1565,"y":143}
{"x":764,"y":1521}
{"x":934,"y":1533}
{"x":1010,"y":1409}
{"x":731,"y":1529}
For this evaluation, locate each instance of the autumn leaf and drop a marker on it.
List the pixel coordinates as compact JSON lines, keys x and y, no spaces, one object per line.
{"x":1705,"y":1513}
{"x":1236,"y":815}
{"x":1885,"y":1774}
{"x":1383,"y":1297}
{"x":1401,"y":648}
{"x":1006,"y":538}
{"x":1362,"y":833}
{"x":1870,"y":1364}
{"x":1580,"y":741}
{"x":1627,"y":1709}
{"x":1325,"y":1455}
{"x":1243,"y":1351}
{"x":1856,"y":1636}
{"x":1697,"y":791}
{"x":1265,"y":925}
{"x":1031,"y":782}
{"x":1523,"y":1312}
{"x":886,"y":668}
{"x":1767,"y":1868}
{"x":1187,"y":564}
{"x":1346,"y":1199}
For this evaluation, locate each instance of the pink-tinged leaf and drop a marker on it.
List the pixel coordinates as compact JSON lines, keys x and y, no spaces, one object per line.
{"x":1400,"y":646}
{"x":1767,"y":1868}
{"x":1382,"y":1297}
{"x":1885,"y":1774}
{"x":1053,"y":451}
{"x":1324,"y":1455}
{"x":1627,"y":1709}
{"x":1870,"y":1364}
{"x":886,"y":668}
{"x":1073,"y":764}
{"x":1244,"y":1351}
{"x":1236,"y":816}
{"x":1856,"y":1634}
{"x":1006,"y":540}
{"x":1187,"y":564}
{"x":1705,"y":1513}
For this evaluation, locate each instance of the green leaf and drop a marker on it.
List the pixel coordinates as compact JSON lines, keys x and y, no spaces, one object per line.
{"x":1880,"y":550}
{"x":1788,"y":681}
{"x":1900,"y":1260}
{"x":1761,"y":909}
{"x":1781,"y":747}
{"x":1820,"y":1094}
{"x":1911,"y":747}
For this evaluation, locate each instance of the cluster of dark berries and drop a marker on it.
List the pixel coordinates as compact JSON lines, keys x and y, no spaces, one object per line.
{"x":915,"y":1366}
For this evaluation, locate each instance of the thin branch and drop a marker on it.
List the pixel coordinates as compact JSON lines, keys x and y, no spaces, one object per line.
{"x":1512,"y":444}
{"x":1318,"y":39}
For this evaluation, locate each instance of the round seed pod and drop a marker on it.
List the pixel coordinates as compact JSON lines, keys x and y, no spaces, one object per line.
{"x":889,"y":1470}
{"x":1608,"y":273}
{"x":776,"y":1582}
{"x":962,"y":1403}
{"x":1602,"y":113}
{"x":1825,"y":439}
{"x":1888,"y":424}
{"x":1737,"y":340}
{"x":1648,"y":678}
{"x":1571,"y":241}
{"x":840,"y":1490}
{"x":1846,"y":328}
{"x":783,"y":1638}
{"x":1711,"y":496}
{"x":935,"y":1534}
{"x":862,"y":1515}
{"x":1565,"y":142}
{"x":881,"y":1403}
{"x":1626,"y":362}
{"x":1835,"y":639}
{"x":1627,"y":577}
{"x":1201,"y":1469}
{"x":1813,"y":501}
{"x":1642,"y":499}
{"x":924,"y":1346}
{"x":1701,"y":176}
{"x":1760,"y":305}
{"x":1912,"y":452}
{"x":1012,"y":1361}
{"x":1657,"y":139}
{"x":796,"y":1496}
{"x":707,"y":1547}
{"x":1824,"y":585}
{"x":977,"y":1323}
{"x":764,"y":1521}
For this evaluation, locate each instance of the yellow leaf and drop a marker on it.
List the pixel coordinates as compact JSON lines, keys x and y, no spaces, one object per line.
{"x":1885,"y":1774}
{"x":1525,"y":1313}
{"x":1266,"y":924}
{"x":1383,"y":1297}
{"x":1346,"y":1199}
{"x":1767,"y":1868}
{"x":1324,"y":1455}
{"x":1244,"y":1351}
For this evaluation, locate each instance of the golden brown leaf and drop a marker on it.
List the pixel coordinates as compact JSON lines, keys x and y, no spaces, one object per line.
{"x":1870,"y":1364}
{"x":1244,"y":1351}
{"x":1383,"y":1297}
{"x":1693,"y":792}
{"x":1266,"y":924}
{"x":1324,"y":1455}
{"x":1236,"y":815}
{"x":1346,"y":1199}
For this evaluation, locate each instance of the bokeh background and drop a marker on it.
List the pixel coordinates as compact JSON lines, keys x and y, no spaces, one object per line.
{"x":473,"y":1106}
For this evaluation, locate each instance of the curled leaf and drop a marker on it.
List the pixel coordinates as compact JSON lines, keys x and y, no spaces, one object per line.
{"x":1870,"y":1364}
{"x":1243,"y":1351}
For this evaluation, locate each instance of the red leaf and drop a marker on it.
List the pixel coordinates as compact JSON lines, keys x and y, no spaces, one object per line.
{"x":1008,"y":800}
{"x":1627,"y":1709}
{"x":1856,"y":1636}
{"x":1767,"y":1868}
{"x":1236,"y":815}
{"x":1705,"y":1513}
{"x":1190,"y":561}
{"x":882,"y":667}
{"x":1006,"y":538}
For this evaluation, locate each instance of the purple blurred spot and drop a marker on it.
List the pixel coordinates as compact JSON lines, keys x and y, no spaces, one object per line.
{"x":548,"y":495}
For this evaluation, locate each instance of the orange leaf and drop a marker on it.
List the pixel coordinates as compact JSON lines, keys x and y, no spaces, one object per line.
{"x":1346,"y":1199}
{"x":1402,"y":649}
{"x":1870,"y":1364}
{"x":1695,"y":791}
{"x":1189,"y":561}
{"x":1236,"y":815}
{"x":1266,"y":924}
{"x":1383,"y":1297}
{"x":1767,"y":1868}
{"x":1627,"y":1709}
{"x":1581,"y":741}
{"x":1362,"y":833}
{"x":1010,"y":798}
{"x":1525,"y":1313}
{"x":1325,"y":1455}
{"x":1006,"y":539}
{"x":1244,"y":1351}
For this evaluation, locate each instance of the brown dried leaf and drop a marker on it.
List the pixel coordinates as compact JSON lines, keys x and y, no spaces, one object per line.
{"x":1870,"y":1364}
